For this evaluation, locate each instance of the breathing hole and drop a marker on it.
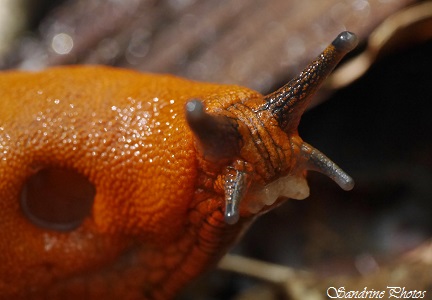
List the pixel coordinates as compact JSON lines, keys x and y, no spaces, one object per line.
{"x":57,"y":199}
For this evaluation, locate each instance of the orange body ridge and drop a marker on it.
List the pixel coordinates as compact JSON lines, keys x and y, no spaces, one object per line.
{"x":117,"y":184}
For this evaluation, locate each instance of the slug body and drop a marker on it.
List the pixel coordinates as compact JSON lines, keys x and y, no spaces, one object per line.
{"x":166,"y":173}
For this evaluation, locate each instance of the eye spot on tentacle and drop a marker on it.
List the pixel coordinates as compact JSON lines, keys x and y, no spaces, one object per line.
{"x":57,"y":199}
{"x":345,"y":41}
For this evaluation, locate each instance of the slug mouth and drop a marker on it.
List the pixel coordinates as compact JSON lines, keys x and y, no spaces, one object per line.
{"x":294,"y":185}
{"x":290,"y":186}
{"x":57,"y":199}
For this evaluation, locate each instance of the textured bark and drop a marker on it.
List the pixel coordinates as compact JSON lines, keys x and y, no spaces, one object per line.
{"x":255,"y":43}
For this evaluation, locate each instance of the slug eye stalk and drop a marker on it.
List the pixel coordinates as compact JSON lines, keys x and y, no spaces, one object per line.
{"x":217,"y":136}
{"x":288,"y":103}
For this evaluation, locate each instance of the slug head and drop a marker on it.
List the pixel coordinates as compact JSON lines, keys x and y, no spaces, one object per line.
{"x":254,"y":147}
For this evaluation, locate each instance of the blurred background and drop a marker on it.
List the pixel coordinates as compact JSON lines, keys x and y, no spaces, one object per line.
{"x":372,"y":118}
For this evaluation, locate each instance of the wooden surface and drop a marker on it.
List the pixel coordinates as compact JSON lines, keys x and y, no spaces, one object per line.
{"x":256,"y":43}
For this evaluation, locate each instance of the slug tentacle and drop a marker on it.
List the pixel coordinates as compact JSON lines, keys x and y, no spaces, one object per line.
{"x":217,"y":136}
{"x":237,"y":181}
{"x":317,"y":161}
{"x":288,"y":103}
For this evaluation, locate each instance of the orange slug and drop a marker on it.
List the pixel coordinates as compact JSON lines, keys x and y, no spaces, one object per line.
{"x":121,"y":185}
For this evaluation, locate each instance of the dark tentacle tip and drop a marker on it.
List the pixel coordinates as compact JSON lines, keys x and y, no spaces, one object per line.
{"x":345,"y":41}
{"x":195,"y":109}
{"x":232,"y":217}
